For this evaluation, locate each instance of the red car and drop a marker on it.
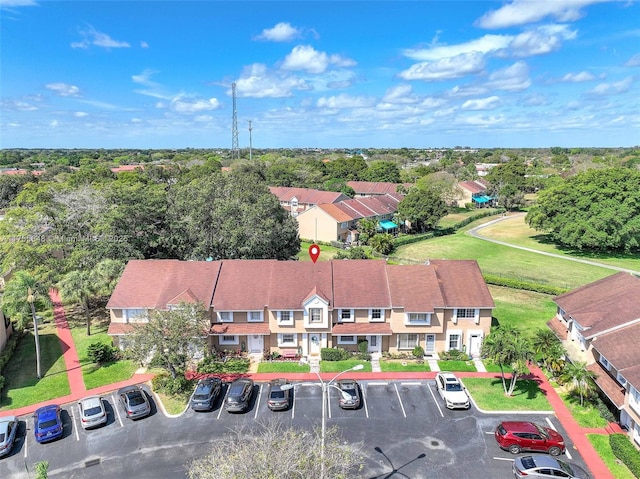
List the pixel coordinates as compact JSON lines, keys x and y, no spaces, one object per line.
{"x":517,"y":436}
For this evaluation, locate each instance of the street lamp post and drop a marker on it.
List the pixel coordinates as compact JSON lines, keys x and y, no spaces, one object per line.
{"x":325,"y":398}
{"x":31,"y":300}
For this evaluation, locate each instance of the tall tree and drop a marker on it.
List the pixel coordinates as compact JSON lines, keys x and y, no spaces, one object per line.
{"x":382,"y":170}
{"x":548,"y":348}
{"x":510,"y":350}
{"x":76,"y":287}
{"x":173,"y":337}
{"x":15,"y":299}
{"x":579,"y":380}
{"x":508,"y":183}
{"x":422,"y":207}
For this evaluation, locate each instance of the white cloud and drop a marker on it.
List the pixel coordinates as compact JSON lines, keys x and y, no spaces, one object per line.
{"x":577,"y":77}
{"x":401,"y":94}
{"x":539,"y":41}
{"x":91,"y":36}
{"x":615,"y":88}
{"x":511,"y":78}
{"x":258,"y":81}
{"x":144,"y":44}
{"x":308,"y":59}
{"x":183,"y":104}
{"x":445,"y":68}
{"x":63,"y":89}
{"x":17,"y":3}
{"x":481,"y":120}
{"x":485,"y":44}
{"x":489,"y":103}
{"x":634,"y":61}
{"x":282,"y":32}
{"x":345,"y":101}
{"x":522,"y":12}
{"x":18,"y":105}
{"x":80,"y":114}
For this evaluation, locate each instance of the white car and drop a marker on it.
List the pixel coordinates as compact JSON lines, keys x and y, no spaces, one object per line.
{"x":92,"y":412}
{"x":452,"y":392}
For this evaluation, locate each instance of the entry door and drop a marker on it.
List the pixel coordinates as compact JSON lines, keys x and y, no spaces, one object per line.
{"x":475,"y":342}
{"x":374,"y":343}
{"x":256,"y":343}
{"x":430,"y":343}
{"x":314,"y":344}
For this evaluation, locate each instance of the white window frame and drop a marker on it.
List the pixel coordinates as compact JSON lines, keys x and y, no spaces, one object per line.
{"x":458,"y":333}
{"x":381,"y":319}
{"x":294,"y":202}
{"x":634,"y":399}
{"x":285,"y":321}
{"x":622,"y":380}
{"x":311,"y":311}
{"x":251,"y":320}
{"x":222,"y":341}
{"x":344,"y":225}
{"x":353,"y":340}
{"x":225,"y":316}
{"x":135,"y":315}
{"x":350,"y":319}
{"x":284,"y":344}
{"x":409,"y":344}
{"x":605,"y":362}
{"x":411,"y":318}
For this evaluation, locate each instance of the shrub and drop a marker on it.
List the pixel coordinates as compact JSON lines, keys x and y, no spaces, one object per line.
{"x":418,"y":352}
{"x":626,"y":452}
{"x":10,"y":347}
{"x":453,"y":355}
{"x":1,"y":382}
{"x":173,"y":387}
{"x":603,"y":409}
{"x":334,"y":354}
{"x":213,"y":365}
{"x":101,"y":353}
{"x":525,"y":285}
{"x":363,"y":350}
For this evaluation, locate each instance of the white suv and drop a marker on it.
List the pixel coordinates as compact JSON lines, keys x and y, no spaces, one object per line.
{"x":452,"y":391}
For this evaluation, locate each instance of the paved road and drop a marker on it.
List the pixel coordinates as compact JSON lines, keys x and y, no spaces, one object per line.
{"x":475,"y":233}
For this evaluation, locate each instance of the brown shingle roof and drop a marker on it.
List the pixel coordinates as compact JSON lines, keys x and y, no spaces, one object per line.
{"x":462,"y":284}
{"x":360,"y":284}
{"x":306,"y":195}
{"x":473,"y":187}
{"x":154,"y":283}
{"x":358,"y":208}
{"x":608,"y":303}
{"x":620,"y":347}
{"x":415,"y":288}
{"x":375,"y":187}
{"x":610,"y":387}
{"x":361,"y":329}
{"x":119,"y":329}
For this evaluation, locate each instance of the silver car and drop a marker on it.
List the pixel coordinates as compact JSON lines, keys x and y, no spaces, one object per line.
{"x":92,"y":412}
{"x":134,"y":402}
{"x":452,"y":391}
{"x":541,"y":465}
{"x":8,"y":431}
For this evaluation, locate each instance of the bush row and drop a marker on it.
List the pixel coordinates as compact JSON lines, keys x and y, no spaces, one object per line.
{"x":334,"y":354}
{"x":213,"y":365}
{"x":7,"y":352}
{"x":526,"y":285}
{"x":626,"y":452}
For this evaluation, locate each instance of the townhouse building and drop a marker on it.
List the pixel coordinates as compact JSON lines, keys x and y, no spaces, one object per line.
{"x":297,"y":200}
{"x":599,"y":324}
{"x":264,"y":306}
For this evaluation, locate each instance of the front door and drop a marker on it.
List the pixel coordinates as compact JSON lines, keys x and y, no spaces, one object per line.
{"x":430,"y":344}
{"x":314,"y":344}
{"x":374,"y":343}
{"x":256,"y":343}
{"x":475,"y":342}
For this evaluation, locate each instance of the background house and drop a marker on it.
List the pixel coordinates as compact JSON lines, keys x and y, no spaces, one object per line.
{"x":474,"y":192}
{"x":599,"y":324}
{"x":378,"y":188}
{"x":297,"y":200}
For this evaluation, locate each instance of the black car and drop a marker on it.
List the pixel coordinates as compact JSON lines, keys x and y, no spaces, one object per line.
{"x":134,"y":402}
{"x":206,"y":393}
{"x":350,"y":397}
{"x":239,"y":395}
{"x":279,"y":395}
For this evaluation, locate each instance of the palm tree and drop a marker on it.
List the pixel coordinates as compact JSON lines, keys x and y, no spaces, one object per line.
{"x":547,"y":347}
{"x":76,"y":287}
{"x":579,"y":379}
{"x":507,"y":347}
{"x":105,"y":275}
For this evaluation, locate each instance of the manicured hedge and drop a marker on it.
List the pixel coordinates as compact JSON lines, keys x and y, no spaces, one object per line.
{"x":213,"y":365}
{"x":334,"y":354}
{"x":518,"y":284}
{"x":626,"y":452}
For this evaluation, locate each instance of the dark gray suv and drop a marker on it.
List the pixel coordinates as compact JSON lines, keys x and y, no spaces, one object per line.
{"x":206,"y":393}
{"x":239,"y":395}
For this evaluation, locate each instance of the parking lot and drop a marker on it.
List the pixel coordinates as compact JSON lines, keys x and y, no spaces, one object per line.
{"x":400,"y":426}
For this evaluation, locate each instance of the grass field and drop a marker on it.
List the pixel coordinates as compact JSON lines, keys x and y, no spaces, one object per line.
{"x":339,"y":366}
{"x":489,"y":395}
{"x":526,"y":310}
{"x":601,"y":444}
{"x":283,"y":367}
{"x":22,"y":386}
{"x":397,"y":365}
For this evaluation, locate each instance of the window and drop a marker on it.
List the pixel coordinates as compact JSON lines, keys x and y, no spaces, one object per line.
{"x":135,"y":315}
{"x":285,"y":317}
{"x":407,"y":341}
{"x":344,"y":225}
{"x":294,"y":202}
{"x":254,"y":316}
{"x":454,"y":341}
{"x":418,"y":318}
{"x":225,"y":316}
{"x":347,"y":340}
{"x":605,"y":363}
{"x":376,"y":315}
{"x":467,"y":313}
{"x":225,"y":339}
{"x":346,"y":316}
{"x":315,"y":315}
{"x":287,"y":339}
{"x":622,"y":380}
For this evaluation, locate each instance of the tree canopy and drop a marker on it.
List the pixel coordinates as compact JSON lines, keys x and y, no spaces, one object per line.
{"x":596,"y":210}
{"x":422,"y":207}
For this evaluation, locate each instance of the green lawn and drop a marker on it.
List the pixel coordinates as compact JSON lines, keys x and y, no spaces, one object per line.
{"x":339,"y":366}
{"x":466,"y":366}
{"x":587,"y":415}
{"x":283,"y":367}
{"x":396,"y":365}
{"x":456,"y":217}
{"x":618,"y":470}
{"x":93,"y":374}
{"x":326,"y":252}
{"x":490,"y":366}
{"x":22,"y":387}
{"x":526,"y":310}
{"x":489,"y":395}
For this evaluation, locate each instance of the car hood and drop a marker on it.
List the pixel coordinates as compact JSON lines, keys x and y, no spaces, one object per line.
{"x":456,"y":396}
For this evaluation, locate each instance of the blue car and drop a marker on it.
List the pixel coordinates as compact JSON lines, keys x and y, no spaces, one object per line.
{"x":47,"y":423}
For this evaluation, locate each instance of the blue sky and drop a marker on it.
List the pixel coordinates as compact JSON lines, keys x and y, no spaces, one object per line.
{"x":416,"y":74}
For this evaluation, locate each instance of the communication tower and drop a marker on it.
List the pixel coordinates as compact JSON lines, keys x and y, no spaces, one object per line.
{"x":235,"y":151}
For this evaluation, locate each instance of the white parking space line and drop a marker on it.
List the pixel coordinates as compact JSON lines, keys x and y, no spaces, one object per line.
{"x":73,"y":421}
{"x":435,"y":400}
{"x":26,"y":437}
{"x":224,"y":400}
{"x":508,"y":459}
{"x":116,"y":410}
{"x":258,"y":401}
{"x":566,"y":451}
{"x":293,"y":403}
{"x":378,"y":384}
{"x":364,"y":401}
{"x":416,"y":383}
{"x":400,"y":400}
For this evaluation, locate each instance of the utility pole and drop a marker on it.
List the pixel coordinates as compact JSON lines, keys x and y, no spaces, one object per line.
{"x":250,"y":146}
{"x":235,"y":150}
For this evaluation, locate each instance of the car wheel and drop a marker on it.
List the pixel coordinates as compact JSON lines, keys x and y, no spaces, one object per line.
{"x":555,"y":451}
{"x":514,"y":449}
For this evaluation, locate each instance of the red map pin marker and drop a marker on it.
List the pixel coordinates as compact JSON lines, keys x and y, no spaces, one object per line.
{"x":314,"y":252}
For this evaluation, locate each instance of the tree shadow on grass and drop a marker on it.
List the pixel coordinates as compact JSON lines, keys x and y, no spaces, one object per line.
{"x":524,"y":387}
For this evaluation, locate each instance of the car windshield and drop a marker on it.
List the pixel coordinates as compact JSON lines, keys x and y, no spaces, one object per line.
{"x":542,"y":431}
{"x":566,"y":468}
{"x":200,"y":397}
{"x":454,"y":387}
{"x":232,"y":399}
{"x":49,"y":423}
{"x":135,"y":399}
{"x":349,"y":389}
{"x":277,"y":394}
{"x":92,"y":411}
{"x":2,"y":436}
